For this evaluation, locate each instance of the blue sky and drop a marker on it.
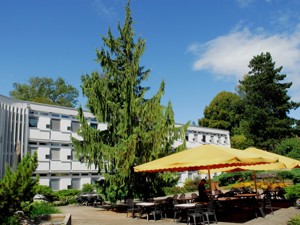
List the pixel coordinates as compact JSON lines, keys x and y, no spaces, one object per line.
{"x":198,"y":47}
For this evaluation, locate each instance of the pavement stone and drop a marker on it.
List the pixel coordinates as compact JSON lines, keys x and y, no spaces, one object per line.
{"x":85,"y":215}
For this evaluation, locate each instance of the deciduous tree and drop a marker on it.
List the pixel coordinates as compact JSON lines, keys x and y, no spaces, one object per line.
{"x":46,"y":90}
{"x":224,"y":112}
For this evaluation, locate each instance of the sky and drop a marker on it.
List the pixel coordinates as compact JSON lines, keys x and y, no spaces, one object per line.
{"x":198,"y":47}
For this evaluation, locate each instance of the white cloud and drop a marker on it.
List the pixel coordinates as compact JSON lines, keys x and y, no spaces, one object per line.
{"x":102,"y":9}
{"x":244,"y":3}
{"x":228,"y":56}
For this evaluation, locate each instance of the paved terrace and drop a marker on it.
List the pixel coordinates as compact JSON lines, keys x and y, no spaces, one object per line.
{"x":85,"y":215}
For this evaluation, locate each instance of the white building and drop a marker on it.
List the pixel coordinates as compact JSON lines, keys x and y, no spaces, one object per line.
{"x":47,"y":130}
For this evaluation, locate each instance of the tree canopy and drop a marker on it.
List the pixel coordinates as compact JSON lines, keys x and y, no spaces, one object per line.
{"x":223,"y":112}
{"x":46,"y":90}
{"x":258,"y":114}
{"x":289,"y":147}
{"x":266,"y":103}
{"x":138,"y":129}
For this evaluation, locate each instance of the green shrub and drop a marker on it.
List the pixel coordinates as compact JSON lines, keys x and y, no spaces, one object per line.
{"x":17,"y":186}
{"x":66,"y":197}
{"x":226,"y":179}
{"x":88,"y":188}
{"x":46,"y":191}
{"x":296,"y":179}
{"x":296,"y":171}
{"x":37,"y":209}
{"x":295,"y":220}
{"x":292,"y":192}
{"x":11,"y":220}
{"x":286,"y":174}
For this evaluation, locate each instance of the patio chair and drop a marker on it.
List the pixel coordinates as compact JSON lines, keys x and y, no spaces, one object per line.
{"x":267,"y":203}
{"x":167,"y":206}
{"x":181,"y":198}
{"x":177,"y":211}
{"x":209,"y":211}
{"x":157,"y":209}
{"x":131,"y":208}
{"x":194,"y":197}
{"x":196,"y":212}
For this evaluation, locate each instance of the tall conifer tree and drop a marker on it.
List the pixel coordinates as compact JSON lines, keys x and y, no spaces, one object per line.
{"x":267,"y":103}
{"x":138,"y":129}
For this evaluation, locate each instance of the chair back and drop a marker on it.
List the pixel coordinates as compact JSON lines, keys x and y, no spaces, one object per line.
{"x":175,"y":196}
{"x":194,"y":195}
{"x":182,"y":196}
{"x":130,"y":202}
{"x":198,"y":208}
{"x":211,"y":206}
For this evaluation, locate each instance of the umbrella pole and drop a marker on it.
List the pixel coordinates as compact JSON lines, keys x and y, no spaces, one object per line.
{"x":255,"y":184}
{"x":209,"y":180}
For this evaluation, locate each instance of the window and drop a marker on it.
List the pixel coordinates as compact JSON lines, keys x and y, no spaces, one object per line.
{"x":55,"y":124}
{"x":75,"y":183}
{"x":54,"y":184}
{"x":94,"y":125}
{"x":33,"y":121}
{"x":55,"y":154}
{"x":75,"y":126}
{"x":73,"y":155}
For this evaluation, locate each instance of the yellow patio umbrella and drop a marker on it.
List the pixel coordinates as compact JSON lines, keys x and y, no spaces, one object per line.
{"x":254,"y":168}
{"x":204,"y":157}
{"x":269,"y":166}
{"x":289,"y":163}
{"x":282,"y":163}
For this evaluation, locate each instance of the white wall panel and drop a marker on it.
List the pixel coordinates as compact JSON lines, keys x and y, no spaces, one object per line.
{"x":64,"y":153}
{"x":60,"y":166}
{"x":37,"y":134}
{"x":43,"y":122}
{"x":64,"y":183}
{"x":59,"y":136}
{"x":43,"y":166}
{"x":43,"y":152}
{"x":64,"y":124}
{"x":44,"y":181}
{"x":85,"y":180}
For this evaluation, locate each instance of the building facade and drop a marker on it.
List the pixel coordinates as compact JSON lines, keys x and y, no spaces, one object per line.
{"x":28,"y":127}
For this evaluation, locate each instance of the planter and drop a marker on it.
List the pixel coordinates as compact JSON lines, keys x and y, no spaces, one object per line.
{"x":57,"y":219}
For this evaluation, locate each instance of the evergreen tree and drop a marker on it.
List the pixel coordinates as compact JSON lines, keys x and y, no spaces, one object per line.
{"x":18,"y":186}
{"x":267,"y":104}
{"x":138,"y":129}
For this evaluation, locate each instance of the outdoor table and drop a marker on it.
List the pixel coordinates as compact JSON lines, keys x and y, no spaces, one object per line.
{"x":186,"y":199}
{"x":148,"y":207}
{"x":160,"y":199}
{"x":247,"y":195}
{"x":185,"y":207}
{"x":227,"y":198}
{"x":146,"y":204}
